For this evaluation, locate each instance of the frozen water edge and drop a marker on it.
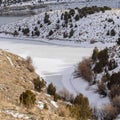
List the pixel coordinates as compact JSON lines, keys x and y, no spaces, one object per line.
{"x":59,"y":42}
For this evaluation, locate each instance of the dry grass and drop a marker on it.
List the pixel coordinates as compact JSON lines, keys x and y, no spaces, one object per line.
{"x":63,"y":111}
{"x":29,"y":65}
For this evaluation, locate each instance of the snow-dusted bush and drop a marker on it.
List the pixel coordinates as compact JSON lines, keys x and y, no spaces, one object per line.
{"x":25,"y":31}
{"x":71,"y":33}
{"x":65,"y":34}
{"x":72,"y":12}
{"x":77,"y":17}
{"x":112,"y":32}
{"x":112,"y":64}
{"x":50,"y":32}
{"x":118,"y":41}
{"x":46,"y":18}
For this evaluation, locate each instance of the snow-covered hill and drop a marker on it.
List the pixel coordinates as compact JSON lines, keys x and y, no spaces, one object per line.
{"x":102,"y":72}
{"x":100,"y":27}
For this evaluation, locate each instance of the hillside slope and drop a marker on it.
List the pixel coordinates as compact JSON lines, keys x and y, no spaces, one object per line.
{"x":17,"y":77}
{"x":78,"y":26}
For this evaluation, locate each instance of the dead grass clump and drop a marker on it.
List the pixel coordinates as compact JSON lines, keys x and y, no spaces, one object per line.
{"x":29,"y":65}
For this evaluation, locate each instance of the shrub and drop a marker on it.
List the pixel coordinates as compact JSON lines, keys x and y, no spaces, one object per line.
{"x":80,"y":108}
{"x":98,"y":68}
{"x":116,"y":102}
{"x":56,"y":97}
{"x":84,"y":69}
{"x":50,"y":32}
{"x":65,"y":34}
{"x":58,"y":21}
{"x":45,"y":106}
{"x":95,"y":54}
{"x":19,"y":29}
{"x":118,"y":41}
{"x":102,"y":89}
{"x":105,"y":78}
{"x":27,"y":98}
{"x":62,"y":16}
{"x":51,"y":89}
{"x":114,"y":80}
{"x":71,"y":33}
{"x":109,"y":112}
{"x":75,"y":25}
{"x":38,"y":22}
{"x":113,"y":32}
{"x":71,"y":25}
{"x":112,"y":64}
{"x":29,"y":65}
{"x":108,"y":33}
{"x":72,"y":12}
{"x":49,"y":23}
{"x":38,"y":84}
{"x":41,"y":25}
{"x":57,"y":26}
{"x":36,"y":28}
{"x":66,"y":17}
{"x":115,"y":91}
{"x":15,"y":33}
{"x":37,"y":33}
{"x":110,"y":20}
{"x":25,"y":31}
{"x":103,"y":57}
{"x":77,"y":17}
{"x":46,"y":18}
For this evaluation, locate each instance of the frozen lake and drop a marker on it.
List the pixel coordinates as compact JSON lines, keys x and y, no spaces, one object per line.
{"x":50,"y":61}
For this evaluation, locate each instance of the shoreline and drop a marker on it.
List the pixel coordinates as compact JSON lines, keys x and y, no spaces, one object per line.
{"x":58,"y":42}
